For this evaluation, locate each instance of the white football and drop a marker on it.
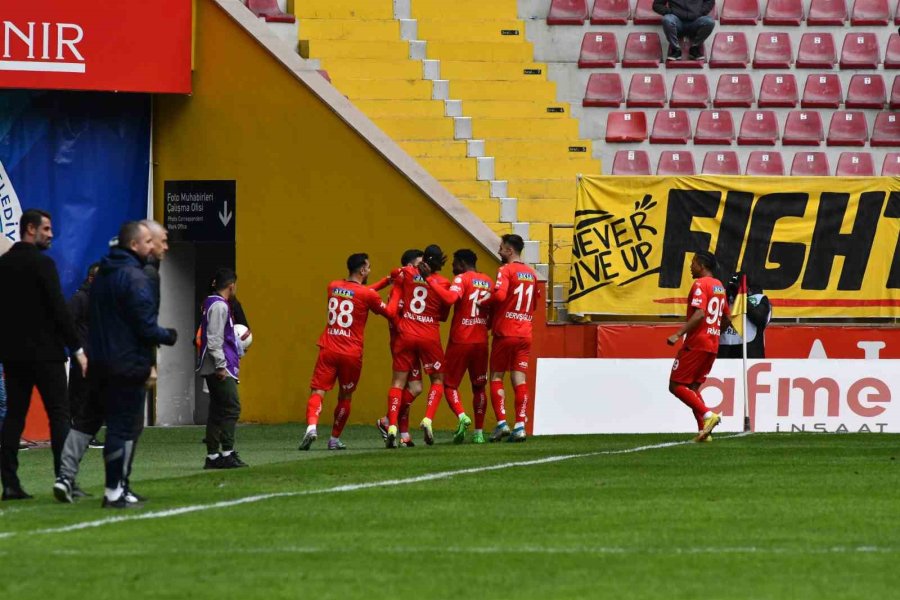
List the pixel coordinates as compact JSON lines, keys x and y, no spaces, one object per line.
{"x":243,"y":335}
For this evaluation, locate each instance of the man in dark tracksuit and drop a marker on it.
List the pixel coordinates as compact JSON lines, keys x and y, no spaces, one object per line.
{"x":685,"y":18}
{"x":78,"y":308}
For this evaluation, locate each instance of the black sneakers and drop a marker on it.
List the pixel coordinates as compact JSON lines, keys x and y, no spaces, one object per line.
{"x":674,"y":53}
{"x":95,"y":444}
{"x":120,"y":502}
{"x":236,"y":460}
{"x":133,"y":497}
{"x":63,"y":490}
{"x":696,"y":53}
{"x":232,"y":461}
{"x":16,"y":493}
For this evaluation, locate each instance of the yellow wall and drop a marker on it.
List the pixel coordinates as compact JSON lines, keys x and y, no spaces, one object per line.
{"x":310,"y":191}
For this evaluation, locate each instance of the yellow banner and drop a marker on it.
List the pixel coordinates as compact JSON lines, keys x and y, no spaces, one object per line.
{"x":818,"y":246}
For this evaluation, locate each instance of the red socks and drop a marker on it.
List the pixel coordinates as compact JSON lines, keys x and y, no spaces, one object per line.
{"x":341,"y":414}
{"x":479,"y":402}
{"x":694,"y":400}
{"x":452,"y":395}
{"x":434,"y":399}
{"x":405,"y":404}
{"x":313,"y":408}
{"x":521,"y":391}
{"x":394,"y":396}
{"x":497,"y":400}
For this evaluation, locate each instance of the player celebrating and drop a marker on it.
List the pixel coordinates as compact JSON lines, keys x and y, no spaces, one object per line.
{"x":468,"y":347}
{"x":707,"y":306}
{"x":341,"y":348}
{"x":516,"y":295}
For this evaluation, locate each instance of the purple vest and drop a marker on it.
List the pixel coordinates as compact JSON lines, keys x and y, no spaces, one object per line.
{"x":230,"y":345}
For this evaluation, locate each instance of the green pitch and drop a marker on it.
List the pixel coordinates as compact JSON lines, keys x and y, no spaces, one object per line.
{"x":762,"y":516}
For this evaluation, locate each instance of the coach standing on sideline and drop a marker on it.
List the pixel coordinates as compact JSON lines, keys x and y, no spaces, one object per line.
{"x":32,"y":345}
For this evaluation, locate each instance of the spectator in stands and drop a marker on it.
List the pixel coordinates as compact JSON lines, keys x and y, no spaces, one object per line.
{"x":759,"y":313}
{"x":685,"y":19}
{"x":78,"y":307}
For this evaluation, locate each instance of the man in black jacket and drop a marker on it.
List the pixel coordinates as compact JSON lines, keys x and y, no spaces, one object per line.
{"x":759,"y":313}
{"x":78,"y":308}
{"x":685,"y":19}
{"x":32,"y":347}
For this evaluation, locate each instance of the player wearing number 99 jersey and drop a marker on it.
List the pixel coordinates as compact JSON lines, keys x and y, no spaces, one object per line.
{"x":341,"y":348}
{"x":707,"y":306}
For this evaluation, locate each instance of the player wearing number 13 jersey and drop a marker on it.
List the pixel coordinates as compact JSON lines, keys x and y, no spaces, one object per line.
{"x":707,"y":306}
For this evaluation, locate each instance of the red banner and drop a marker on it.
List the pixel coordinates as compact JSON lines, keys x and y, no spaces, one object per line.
{"x":124,"y":46}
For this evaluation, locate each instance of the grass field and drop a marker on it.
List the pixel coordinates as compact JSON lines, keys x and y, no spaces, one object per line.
{"x":761,"y":516}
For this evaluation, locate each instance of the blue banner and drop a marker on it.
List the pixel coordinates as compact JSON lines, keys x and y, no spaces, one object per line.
{"x":83,"y":157}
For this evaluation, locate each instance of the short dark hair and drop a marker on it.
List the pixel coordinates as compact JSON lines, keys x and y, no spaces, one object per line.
{"x":410,"y":255}
{"x":223,"y":278}
{"x":356,"y":262}
{"x":466,"y":257}
{"x":32,"y":216}
{"x":129,"y":232}
{"x":707,"y":259}
{"x":434,"y":257}
{"x":514,"y":241}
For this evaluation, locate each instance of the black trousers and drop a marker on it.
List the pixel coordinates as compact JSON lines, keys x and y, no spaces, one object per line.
{"x":124,"y":409}
{"x":21,"y":378}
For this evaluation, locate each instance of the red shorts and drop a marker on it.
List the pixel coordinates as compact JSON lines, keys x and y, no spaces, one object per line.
{"x":691,"y":366}
{"x":510,"y":354}
{"x":410,"y":352}
{"x":331,"y":366}
{"x":415,"y":374}
{"x":463,"y":357}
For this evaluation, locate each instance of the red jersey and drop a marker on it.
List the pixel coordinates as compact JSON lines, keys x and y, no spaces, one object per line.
{"x":419,"y":310}
{"x":708,"y":295}
{"x":516,"y":295}
{"x":349,"y":304}
{"x":468,"y":293}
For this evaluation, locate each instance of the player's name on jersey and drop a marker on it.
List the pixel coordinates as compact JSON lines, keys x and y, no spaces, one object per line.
{"x":519,"y":316}
{"x":419,"y":318}
{"x":473,"y":322}
{"x":340,"y":331}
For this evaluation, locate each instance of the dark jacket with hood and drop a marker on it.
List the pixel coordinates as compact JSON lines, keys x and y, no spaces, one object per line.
{"x":78,"y":308}
{"x":686,"y":10}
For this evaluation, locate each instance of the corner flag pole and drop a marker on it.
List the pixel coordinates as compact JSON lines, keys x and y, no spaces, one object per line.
{"x":745,"y":291}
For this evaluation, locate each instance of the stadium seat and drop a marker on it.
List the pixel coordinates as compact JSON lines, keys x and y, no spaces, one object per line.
{"x":690,"y":91}
{"x":739,"y":12}
{"x":891,"y":165}
{"x":644,"y":15}
{"x":803,"y":128}
{"x":642,"y":49}
{"x":895,"y":93}
{"x":822,"y":91}
{"x":855,"y":164}
{"x":626,"y":126}
{"x":675,"y":162}
{"x":810,"y":163}
{"x":866,"y":91}
{"x":848,"y":128}
{"x":783,"y":12}
{"x":686,"y":62}
{"x":892,"y":52}
{"x":870,"y":12}
{"x":671,"y":127}
{"x":714,"y":127}
{"x":604,"y":89}
{"x":778,"y":91}
{"x":610,"y":12}
{"x":773,"y":51}
{"x":721,"y":163}
{"x":826,"y":12}
{"x":646,"y":90}
{"x":631,"y":162}
{"x":729,"y":51}
{"x":860,"y":51}
{"x":598,"y":50}
{"x":886,"y":131}
{"x":816,"y":51}
{"x":270,"y":10}
{"x":758,"y":128}
{"x":567,"y":12}
{"x":734,"y":91}
{"x":765,"y":163}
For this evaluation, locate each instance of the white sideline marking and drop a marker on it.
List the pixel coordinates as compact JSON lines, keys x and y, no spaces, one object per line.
{"x":350,"y":487}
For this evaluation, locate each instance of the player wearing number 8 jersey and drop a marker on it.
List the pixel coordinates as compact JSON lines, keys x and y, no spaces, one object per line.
{"x":707,"y":307}
{"x":341,"y":348}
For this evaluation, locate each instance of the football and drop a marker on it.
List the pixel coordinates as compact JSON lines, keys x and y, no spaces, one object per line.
{"x":243,"y":335}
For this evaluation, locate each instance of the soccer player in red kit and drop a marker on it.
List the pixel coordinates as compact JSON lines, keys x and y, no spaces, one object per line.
{"x":468,"y":347}
{"x":516,"y":295}
{"x":707,"y":306}
{"x":341,"y":348}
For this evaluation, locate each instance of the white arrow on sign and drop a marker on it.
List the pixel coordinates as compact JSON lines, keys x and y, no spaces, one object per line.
{"x":225,"y":215}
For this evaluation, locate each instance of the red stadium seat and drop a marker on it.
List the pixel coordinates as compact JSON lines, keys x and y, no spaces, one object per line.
{"x":783,"y":12}
{"x":816,"y":51}
{"x":675,"y":162}
{"x":734,"y":91}
{"x":270,"y":10}
{"x":642,"y":49}
{"x":886,"y":131}
{"x":803,"y":128}
{"x":646,"y":90}
{"x":644,"y":15}
{"x":848,"y":128}
{"x":631,"y":162}
{"x":855,"y":164}
{"x":685,"y":62}
{"x":866,"y":91}
{"x":870,"y":12}
{"x":714,"y":127}
{"x":758,"y":128}
{"x":739,"y":12}
{"x":626,"y":126}
{"x":567,"y":12}
{"x":891,"y":165}
{"x":604,"y":89}
{"x":765,"y":163}
{"x":892,"y":52}
{"x":610,"y":12}
{"x":721,"y":163}
{"x":671,"y":127}
{"x":826,"y":12}
{"x":598,"y":50}
{"x":690,"y":91}
{"x":860,"y":51}
{"x":778,"y":91}
{"x":773,"y":51}
{"x":810,"y":163}
{"x":729,"y":51}
{"x":895,"y":93}
{"x":822,"y":91}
